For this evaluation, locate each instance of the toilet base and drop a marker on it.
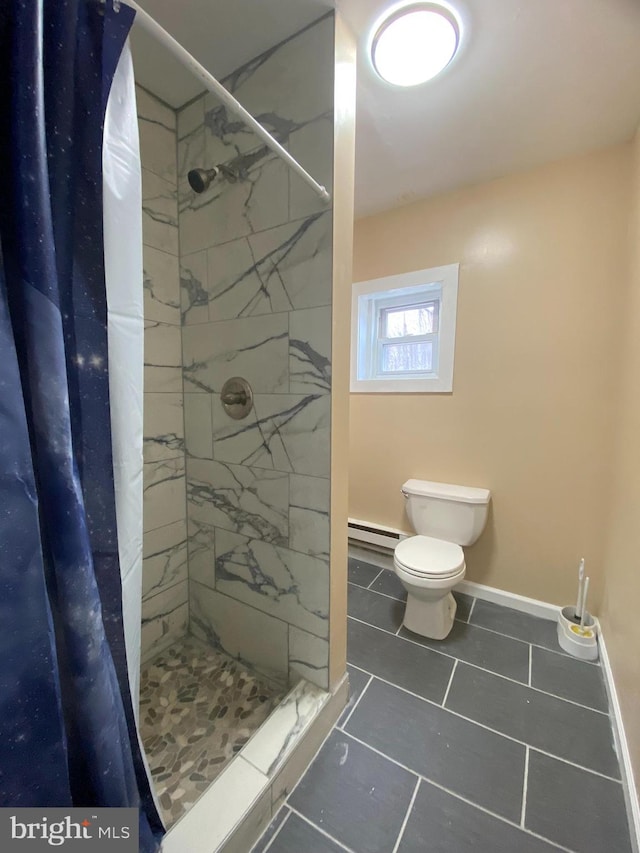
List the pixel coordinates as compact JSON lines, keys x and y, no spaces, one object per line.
{"x":430,"y":618}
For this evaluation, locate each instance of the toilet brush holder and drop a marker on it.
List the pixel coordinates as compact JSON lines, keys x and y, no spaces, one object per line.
{"x":581,"y":641}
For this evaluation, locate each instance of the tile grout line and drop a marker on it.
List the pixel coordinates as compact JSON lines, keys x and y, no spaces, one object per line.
{"x":473,"y":604}
{"x":277,"y":832}
{"x":252,"y":606}
{"x":476,"y":666}
{"x":321,"y":831}
{"x":524,"y":787}
{"x":377,"y":591}
{"x":558,"y":652}
{"x":446,"y":692}
{"x":364,"y":690}
{"x":404,"y":601}
{"x":530,"y":663}
{"x":468,"y":621}
{"x":373,"y":581}
{"x":407,"y":816}
{"x":489,"y":729}
{"x":458,"y":796}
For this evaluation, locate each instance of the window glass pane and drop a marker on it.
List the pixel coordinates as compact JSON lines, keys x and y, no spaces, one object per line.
{"x":405,"y":357}
{"x":411,"y":320}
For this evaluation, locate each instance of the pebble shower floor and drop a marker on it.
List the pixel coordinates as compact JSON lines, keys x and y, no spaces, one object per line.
{"x":198,"y":707}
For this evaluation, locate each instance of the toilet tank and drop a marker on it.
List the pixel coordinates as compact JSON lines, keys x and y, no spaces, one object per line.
{"x":453,"y":513}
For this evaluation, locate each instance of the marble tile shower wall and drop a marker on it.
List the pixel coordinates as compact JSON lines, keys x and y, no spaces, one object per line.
{"x":256,"y":267}
{"x":165,"y":609}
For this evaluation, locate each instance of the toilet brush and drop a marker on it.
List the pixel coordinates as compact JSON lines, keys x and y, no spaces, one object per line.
{"x":577,"y":630}
{"x":583,"y":603}
{"x":580,"y":602}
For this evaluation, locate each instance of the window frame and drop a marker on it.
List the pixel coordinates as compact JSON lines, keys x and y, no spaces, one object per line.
{"x":387,"y":304}
{"x":370,"y":298}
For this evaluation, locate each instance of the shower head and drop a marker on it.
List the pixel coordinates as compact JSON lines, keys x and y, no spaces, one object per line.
{"x":200,"y":179}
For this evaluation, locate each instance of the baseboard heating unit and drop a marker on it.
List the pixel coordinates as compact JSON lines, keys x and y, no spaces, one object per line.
{"x":377,"y":537}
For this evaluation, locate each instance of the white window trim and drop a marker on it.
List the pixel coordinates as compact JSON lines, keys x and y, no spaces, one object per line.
{"x":439,"y":279}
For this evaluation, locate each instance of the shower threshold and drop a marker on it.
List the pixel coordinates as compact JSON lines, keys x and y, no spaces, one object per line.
{"x":198,"y":708}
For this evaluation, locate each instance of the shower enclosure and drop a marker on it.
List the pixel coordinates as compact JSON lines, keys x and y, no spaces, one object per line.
{"x":240,"y":280}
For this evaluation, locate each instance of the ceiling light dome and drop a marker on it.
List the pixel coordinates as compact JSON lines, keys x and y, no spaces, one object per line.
{"x":414,"y":43}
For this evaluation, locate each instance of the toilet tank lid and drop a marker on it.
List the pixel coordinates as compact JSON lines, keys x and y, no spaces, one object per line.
{"x":446,"y":491}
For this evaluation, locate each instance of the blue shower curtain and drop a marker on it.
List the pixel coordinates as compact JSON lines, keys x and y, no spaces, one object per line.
{"x":67,"y":729}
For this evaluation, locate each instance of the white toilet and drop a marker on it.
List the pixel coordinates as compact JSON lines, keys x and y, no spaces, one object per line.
{"x":432,"y":563}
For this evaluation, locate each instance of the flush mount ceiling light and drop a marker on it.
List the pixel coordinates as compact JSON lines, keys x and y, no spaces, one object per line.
{"x":414,"y":44}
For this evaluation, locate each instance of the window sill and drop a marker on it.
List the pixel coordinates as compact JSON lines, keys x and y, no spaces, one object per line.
{"x":401,"y":386}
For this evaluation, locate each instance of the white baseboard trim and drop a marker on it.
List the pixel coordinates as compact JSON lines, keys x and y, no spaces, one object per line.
{"x":622,"y":747}
{"x":477,"y":590}
{"x":510,"y":599}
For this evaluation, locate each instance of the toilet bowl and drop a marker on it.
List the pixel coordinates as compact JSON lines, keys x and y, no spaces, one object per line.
{"x":429,"y":569}
{"x":430,"y":564}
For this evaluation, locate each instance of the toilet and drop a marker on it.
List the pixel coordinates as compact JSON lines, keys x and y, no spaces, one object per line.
{"x":445,"y":517}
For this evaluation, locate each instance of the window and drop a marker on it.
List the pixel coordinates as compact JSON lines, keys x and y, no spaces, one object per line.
{"x":403,"y":332}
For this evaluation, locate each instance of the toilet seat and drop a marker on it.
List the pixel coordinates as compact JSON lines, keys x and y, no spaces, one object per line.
{"x":426,"y":557}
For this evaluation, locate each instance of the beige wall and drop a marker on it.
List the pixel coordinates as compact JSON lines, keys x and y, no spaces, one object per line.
{"x":543,"y":260}
{"x":620,"y":621}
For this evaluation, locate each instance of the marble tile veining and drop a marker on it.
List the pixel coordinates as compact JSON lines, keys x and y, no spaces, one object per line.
{"x":294,"y":260}
{"x":255,"y":348}
{"x":198,"y":425}
{"x":252,"y":501}
{"x":310,"y":501}
{"x":161,"y":286}
{"x":190,"y":117}
{"x":202,"y":549}
{"x":281,"y":269}
{"x":163,"y":426}
{"x":164,"y":492}
{"x":165,"y":558}
{"x":162,"y":357}
{"x":194,"y":296}
{"x":159,"y":213}
{"x":293,"y":587}
{"x":285,"y":88}
{"x":198,"y":707}
{"x":165,"y":619}
{"x":286,"y":432}
{"x":191,"y":145}
{"x":157,"y":124}
{"x":310,"y":351}
{"x":308,"y":657}
{"x":242,"y":632}
{"x":268,"y":750}
{"x":259,"y":199}
{"x":254,"y":300}
{"x":165,"y":608}
{"x":237,"y":287}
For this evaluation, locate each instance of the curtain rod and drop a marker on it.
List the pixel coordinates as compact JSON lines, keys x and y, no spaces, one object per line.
{"x":154,"y":29}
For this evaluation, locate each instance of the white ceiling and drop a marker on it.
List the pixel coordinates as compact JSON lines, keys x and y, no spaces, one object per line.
{"x":533,"y":81}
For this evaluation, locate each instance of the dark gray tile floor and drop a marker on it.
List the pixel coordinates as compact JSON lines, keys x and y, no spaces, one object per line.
{"x":492,"y":741}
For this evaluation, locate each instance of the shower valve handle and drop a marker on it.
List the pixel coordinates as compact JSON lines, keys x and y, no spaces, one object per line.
{"x":236,"y":397}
